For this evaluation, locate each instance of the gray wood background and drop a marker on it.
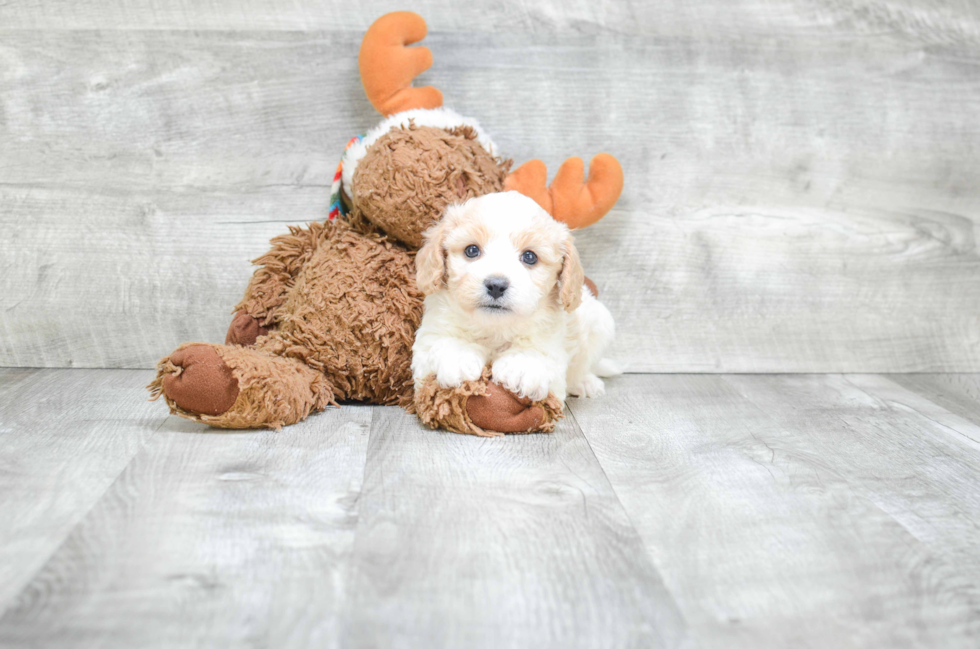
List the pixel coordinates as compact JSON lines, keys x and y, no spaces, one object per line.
{"x":801,"y":186}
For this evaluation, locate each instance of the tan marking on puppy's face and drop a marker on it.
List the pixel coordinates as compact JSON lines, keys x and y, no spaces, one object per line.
{"x":502,"y":256}
{"x":541,"y":239}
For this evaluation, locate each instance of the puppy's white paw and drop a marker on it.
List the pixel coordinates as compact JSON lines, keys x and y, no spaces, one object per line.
{"x":452,"y":371}
{"x":525,"y":376}
{"x":590,"y":386}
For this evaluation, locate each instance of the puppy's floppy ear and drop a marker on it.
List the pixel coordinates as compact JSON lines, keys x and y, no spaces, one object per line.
{"x":572,"y":276}
{"x":430,"y":262}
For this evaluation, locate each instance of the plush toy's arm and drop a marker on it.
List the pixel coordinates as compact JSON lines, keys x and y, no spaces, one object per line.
{"x":482,"y":408}
{"x":277,"y":269}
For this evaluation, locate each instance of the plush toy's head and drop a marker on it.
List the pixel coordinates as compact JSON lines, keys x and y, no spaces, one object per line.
{"x":407,"y":171}
{"x":402,"y":175}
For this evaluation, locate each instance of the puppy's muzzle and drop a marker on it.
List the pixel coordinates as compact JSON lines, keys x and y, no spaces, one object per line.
{"x":496,"y":286}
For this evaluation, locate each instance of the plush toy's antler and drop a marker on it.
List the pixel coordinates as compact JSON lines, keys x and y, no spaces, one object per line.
{"x":388,"y":67}
{"x":571,"y":199}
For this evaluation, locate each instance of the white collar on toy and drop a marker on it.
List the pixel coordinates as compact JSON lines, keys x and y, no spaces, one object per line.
{"x":435,"y":117}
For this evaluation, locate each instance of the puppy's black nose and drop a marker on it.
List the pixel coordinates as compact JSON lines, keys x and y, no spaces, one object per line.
{"x":496,"y":286}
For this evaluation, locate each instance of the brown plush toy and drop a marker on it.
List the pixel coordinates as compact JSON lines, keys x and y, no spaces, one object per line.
{"x":331,"y":312}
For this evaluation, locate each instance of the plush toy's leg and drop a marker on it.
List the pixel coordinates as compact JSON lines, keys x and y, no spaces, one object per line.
{"x":244,"y":330}
{"x":256,"y":314}
{"x":236,"y":387}
{"x":483,"y":408}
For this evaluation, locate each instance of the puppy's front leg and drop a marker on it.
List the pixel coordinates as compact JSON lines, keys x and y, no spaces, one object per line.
{"x":531,"y":373}
{"x":451,"y":360}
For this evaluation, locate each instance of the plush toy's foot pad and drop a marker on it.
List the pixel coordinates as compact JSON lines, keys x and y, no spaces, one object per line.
{"x":483,"y":408}
{"x":244,"y":330}
{"x":503,"y":411}
{"x":198,"y":381}
{"x":239,"y":387}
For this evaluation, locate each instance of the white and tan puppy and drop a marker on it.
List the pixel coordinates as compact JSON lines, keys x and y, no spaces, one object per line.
{"x":504,"y":286}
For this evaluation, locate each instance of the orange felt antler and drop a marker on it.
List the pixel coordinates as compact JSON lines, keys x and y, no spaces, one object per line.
{"x":571,"y":199}
{"x":388,"y":66}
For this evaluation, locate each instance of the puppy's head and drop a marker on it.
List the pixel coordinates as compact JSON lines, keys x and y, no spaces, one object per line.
{"x":501,"y":255}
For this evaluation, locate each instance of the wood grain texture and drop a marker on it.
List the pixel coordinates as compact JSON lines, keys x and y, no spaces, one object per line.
{"x":209,"y":539}
{"x":684,"y":510}
{"x":957,"y":393}
{"x":511,"y":542}
{"x":914,"y":461}
{"x":65,"y":435}
{"x":800,"y":189}
{"x":944,"y":20}
{"x":797,"y":510}
{"x":153,"y":166}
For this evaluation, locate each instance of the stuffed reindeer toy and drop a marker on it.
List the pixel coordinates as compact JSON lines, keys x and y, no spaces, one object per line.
{"x":331,"y":312}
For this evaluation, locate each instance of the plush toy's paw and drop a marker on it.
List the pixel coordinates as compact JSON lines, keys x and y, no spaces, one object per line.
{"x":502,"y":411}
{"x":590,"y":386}
{"x":453,"y":370}
{"x":200,"y":382}
{"x":523,"y":375}
{"x":244,"y":330}
{"x":483,"y":408}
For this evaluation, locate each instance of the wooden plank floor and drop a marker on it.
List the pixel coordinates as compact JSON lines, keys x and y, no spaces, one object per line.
{"x":678,"y":510}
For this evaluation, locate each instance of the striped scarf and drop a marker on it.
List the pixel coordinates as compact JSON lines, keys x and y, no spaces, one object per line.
{"x":336,"y":203}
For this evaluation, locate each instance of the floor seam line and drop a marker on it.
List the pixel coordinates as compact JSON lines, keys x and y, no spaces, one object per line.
{"x":6,"y":607}
{"x":629,"y":519}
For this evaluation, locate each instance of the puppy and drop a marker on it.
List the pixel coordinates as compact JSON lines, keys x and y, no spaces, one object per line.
{"x":504,"y":286}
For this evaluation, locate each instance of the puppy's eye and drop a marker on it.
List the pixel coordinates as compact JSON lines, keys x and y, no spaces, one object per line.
{"x":529,"y":258}
{"x":472,"y":251}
